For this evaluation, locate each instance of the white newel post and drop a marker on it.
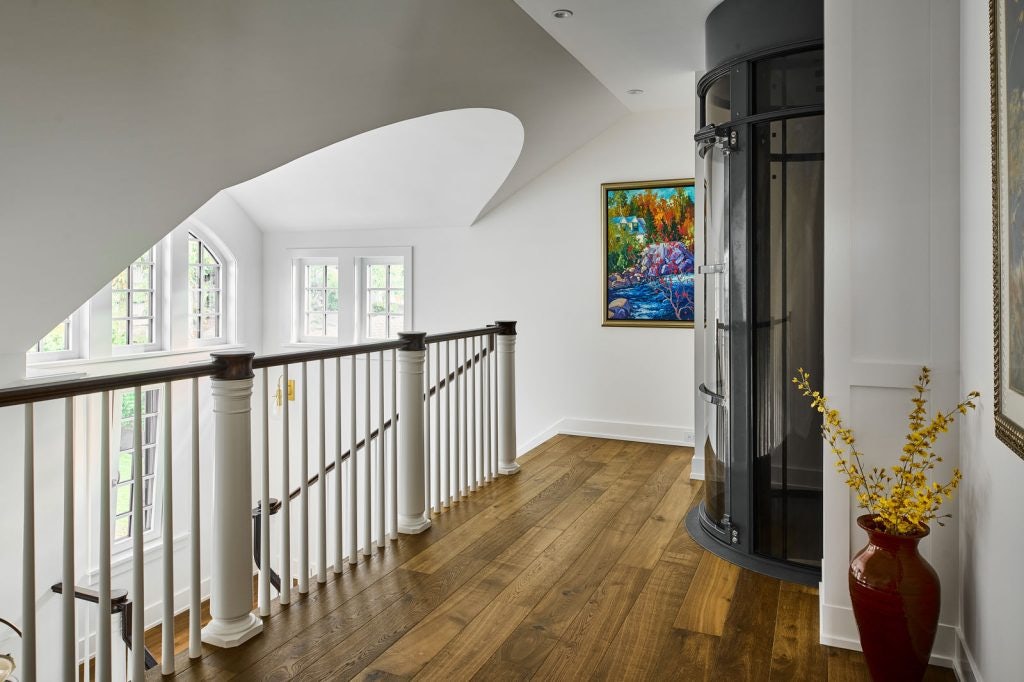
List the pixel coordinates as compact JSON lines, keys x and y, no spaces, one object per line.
{"x":507,"y":398}
{"x":412,"y":516}
{"x":231,"y":557}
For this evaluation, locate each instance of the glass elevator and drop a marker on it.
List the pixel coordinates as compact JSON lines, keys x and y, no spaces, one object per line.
{"x":760,"y":172}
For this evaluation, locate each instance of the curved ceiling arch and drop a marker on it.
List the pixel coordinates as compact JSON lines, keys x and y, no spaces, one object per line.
{"x":438,"y":170}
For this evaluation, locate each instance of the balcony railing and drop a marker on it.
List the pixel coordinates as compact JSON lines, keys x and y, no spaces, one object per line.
{"x":407,"y":443}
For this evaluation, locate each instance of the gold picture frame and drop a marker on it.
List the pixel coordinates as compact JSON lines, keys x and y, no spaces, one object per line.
{"x":1007,"y":230}
{"x":672,"y":287}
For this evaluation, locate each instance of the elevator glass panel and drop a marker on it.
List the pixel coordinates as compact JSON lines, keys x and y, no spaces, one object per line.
{"x":787,"y":305}
{"x":714,"y":386}
{"x":793,"y":80}
{"x":718,"y":102}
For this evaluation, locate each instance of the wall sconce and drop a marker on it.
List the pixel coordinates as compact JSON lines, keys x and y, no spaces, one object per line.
{"x":278,"y":397}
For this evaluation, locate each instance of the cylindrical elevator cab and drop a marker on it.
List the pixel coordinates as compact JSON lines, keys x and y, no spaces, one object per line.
{"x":760,"y":180}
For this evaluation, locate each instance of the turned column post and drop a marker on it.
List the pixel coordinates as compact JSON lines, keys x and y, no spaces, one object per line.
{"x":412,"y":517}
{"x":506,"y":351}
{"x":231,"y":548}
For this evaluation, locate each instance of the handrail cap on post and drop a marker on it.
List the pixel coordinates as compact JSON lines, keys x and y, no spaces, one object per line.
{"x":233,"y":366}
{"x":413,"y":340}
{"x":506,"y":327}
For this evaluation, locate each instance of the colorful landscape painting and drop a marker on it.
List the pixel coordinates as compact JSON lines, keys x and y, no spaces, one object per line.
{"x":648,"y":233}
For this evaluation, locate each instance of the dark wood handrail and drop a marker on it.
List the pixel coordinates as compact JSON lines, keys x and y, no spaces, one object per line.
{"x":465,"y":334}
{"x":281,"y":359}
{"x":69,"y":388}
{"x":387,"y":425}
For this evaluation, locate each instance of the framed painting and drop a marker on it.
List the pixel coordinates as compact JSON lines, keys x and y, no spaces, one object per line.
{"x":1007,"y":101}
{"x":648,"y":253}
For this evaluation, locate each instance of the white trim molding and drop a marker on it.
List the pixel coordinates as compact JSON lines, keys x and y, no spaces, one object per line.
{"x":839,"y":629}
{"x":662,"y":434}
{"x":964,"y":665}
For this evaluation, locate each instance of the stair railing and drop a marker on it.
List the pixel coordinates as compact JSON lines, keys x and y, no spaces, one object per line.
{"x":408,"y":469}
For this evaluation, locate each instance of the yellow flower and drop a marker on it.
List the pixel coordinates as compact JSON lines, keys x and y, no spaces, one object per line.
{"x":903,"y":501}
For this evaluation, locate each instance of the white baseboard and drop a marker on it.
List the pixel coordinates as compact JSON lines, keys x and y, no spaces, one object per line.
{"x":593,"y":428}
{"x":541,"y":438}
{"x":697,"y":465}
{"x":963,"y":663}
{"x":839,"y":629}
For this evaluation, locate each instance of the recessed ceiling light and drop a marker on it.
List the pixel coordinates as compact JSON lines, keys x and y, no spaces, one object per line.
{"x":635,"y":91}
{"x":562,"y":13}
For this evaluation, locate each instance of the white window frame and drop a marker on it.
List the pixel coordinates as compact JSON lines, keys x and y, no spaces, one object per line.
{"x":125,"y":544}
{"x":221,"y":290}
{"x":157,"y":291}
{"x":364,"y":288}
{"x":76,"y":334}
{"x":299,"y":334}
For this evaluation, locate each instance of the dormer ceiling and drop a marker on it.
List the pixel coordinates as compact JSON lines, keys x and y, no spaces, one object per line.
{"x":438,"y":170}
{"x":121,"y":118}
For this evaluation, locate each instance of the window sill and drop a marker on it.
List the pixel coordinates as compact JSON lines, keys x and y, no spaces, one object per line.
{"x":60,"y":368}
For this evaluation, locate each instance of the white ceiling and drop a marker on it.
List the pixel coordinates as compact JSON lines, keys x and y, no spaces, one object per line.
{"x":438,"y":170}
{"x":653,"y":45}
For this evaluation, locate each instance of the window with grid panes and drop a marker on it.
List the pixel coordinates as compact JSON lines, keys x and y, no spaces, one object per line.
{"x":133,"y":304}
{"x":124,"y":410}
{"x":320,"y":300}
{"x":205,"y":291}
{"x":57,"y":341}
{"x":385,"y":300}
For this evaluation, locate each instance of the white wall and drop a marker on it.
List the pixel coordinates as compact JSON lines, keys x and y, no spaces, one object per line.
{"x":991,"y":504}
{"x":536,"y":259}
{"x":891,"y":258}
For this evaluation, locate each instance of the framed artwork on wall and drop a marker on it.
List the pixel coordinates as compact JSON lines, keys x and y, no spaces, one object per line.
{"x":648,"y":253}
{"x":1007,"y":100}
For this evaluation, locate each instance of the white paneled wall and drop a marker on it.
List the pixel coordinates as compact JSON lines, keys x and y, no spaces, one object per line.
{"x":891,"y":257}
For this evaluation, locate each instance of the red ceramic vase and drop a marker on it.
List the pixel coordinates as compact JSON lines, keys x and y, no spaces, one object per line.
{"x":895,"y":595}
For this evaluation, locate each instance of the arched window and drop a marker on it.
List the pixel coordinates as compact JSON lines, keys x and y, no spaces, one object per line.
{"x":205,"y":296}
{"x":133,"y":302}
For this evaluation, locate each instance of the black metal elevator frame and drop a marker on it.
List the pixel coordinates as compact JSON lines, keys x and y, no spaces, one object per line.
{"x":735,"y":539}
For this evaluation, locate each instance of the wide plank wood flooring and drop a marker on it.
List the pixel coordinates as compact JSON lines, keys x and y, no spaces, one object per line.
{"x":579,"y":567}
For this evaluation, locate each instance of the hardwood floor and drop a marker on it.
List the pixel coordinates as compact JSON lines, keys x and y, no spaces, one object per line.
{"x":579,"y":567}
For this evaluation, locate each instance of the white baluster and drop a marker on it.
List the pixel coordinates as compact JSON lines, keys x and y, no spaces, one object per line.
{"x":195,"y":648}
{"x":28,"y":554}
{"x":464,"y":480}
{"x":286,"y":515}
{"x":435,"y":470}
{"x":70,"y":666}
{"x":304,"y":486}
{"x":321,"y":567}
{"x":167,"y":533}
{"x":459,"y":466}
{"x":339,"y":548}
{"x":449,"y":478}
{"x":138,"y":666}
{"x":494,"y":406}
{"x":474,"y":477}
{"x":232,"y":621}
{"x":264,"y":585}
{"x":412,"y":508}
{"x":381,"y":442}
{"x":364,"y":502}
{"x":429,"y":469}
{"x":103,"y":667}
{"x":353,"y":471}
{"x":493,"y":369}
{"x":393,"y":468}
{"x":486,"y":407}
